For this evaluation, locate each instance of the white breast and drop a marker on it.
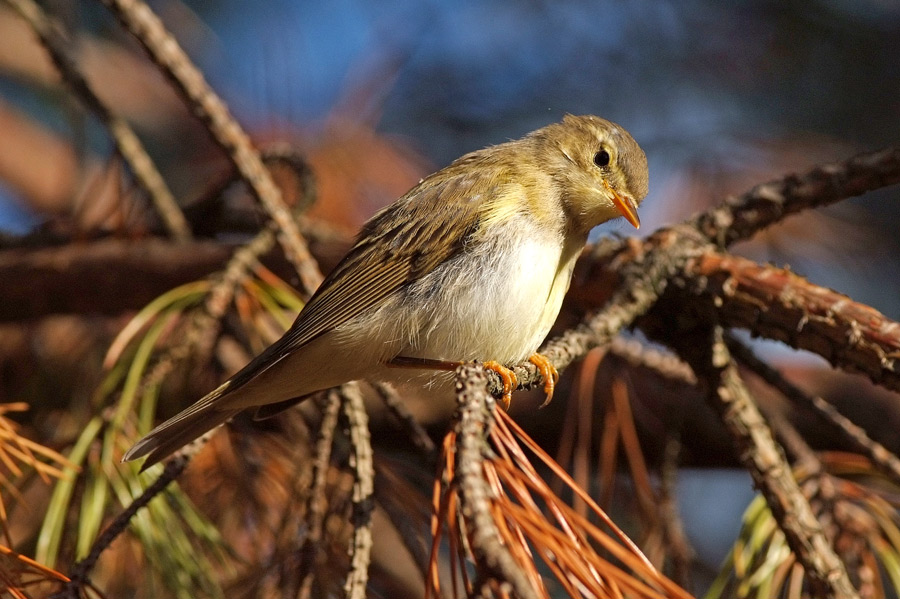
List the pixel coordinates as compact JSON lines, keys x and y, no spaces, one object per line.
{"x":493,"y":303}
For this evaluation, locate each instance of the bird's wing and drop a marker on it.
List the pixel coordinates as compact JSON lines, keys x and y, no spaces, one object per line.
{"x":402,"y":243}
{"x":399,"y":245}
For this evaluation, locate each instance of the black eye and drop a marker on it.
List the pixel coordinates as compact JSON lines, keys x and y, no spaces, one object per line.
{"x":601,"y":158}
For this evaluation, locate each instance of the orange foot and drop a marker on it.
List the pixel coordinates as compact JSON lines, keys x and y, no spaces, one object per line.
{"x":549,"y":372}
{"x":509,"y":380}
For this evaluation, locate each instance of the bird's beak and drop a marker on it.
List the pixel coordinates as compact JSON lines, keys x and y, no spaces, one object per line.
{"x":625,"y":205}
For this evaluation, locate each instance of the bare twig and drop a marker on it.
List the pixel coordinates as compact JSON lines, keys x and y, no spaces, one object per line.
{"x":360,"y":548}
{"x":414,"y":430}
{"x":707,"y":353}
{"x":681,"y":552}
{"x":304,"y":567}
{"x":165,"y":51}
{"x":741,"y":217}
{"x":881,"y":456}
{"x":126,"y":140}
{"x":664,"y":364}
{"x":81,"y":570}
{"x":474,"y":420}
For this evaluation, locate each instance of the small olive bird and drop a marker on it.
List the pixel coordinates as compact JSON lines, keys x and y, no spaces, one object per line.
{"x":471,"y":264}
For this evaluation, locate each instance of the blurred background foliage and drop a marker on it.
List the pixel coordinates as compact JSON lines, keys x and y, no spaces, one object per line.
{"x":720,"y":95}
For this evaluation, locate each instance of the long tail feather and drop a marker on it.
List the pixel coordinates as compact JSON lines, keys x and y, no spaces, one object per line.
{"x":182,"y":428}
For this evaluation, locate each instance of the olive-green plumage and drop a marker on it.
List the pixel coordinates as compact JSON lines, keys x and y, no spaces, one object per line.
{"x":472,"y":263}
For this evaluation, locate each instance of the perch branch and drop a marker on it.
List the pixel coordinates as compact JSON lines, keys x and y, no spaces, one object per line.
{"x":645,"y":269}
{"x":474,"y":420}
{"x":733,"y":220}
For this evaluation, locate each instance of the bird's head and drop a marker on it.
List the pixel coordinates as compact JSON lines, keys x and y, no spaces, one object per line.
{"x":599,"y":168}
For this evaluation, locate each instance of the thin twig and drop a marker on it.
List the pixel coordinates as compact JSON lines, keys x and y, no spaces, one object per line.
{"x":680,"y":550}
{"x":414,"y":430}
{"x":360,"y":548}
{"x":127,"y":142}
{"x":663,"y":363}
{"x":708,"y":355}
{"x":399,"y":500}
{"x":300,"y":580}
{"x":881,"y":456}
{"x":741,"y":217}
{"x":165,"y":51}
{"x":81,"y":570}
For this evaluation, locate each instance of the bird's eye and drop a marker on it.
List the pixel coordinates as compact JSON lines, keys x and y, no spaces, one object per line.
{"x":601,"y":158}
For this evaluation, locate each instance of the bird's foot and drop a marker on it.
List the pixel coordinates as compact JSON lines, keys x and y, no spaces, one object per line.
{"x":550,"y":374}
{"x":509,"y":380}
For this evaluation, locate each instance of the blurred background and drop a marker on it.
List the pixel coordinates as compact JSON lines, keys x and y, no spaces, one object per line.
{"x":720,"y":95}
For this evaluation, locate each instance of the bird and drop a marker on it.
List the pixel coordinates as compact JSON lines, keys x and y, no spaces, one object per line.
{"x":472,"y":263}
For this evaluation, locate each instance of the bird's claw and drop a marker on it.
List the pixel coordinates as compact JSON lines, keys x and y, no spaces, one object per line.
{"x":549,"y":372}
{"x":509,"y":381}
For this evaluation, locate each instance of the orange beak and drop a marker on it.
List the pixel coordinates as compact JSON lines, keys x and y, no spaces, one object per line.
{"x":625,"y":205}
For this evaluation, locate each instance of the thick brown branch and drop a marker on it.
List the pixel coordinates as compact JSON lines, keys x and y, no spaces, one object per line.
{"x":101,"y":277}
{"x":778,"y":304}
{"x":111,"y":276}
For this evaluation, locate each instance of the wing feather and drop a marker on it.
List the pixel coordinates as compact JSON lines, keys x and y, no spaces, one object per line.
{"x":398,"y":246}
{"x":420,"y":231}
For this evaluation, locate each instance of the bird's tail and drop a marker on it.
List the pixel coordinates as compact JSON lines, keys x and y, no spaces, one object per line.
{"x":182,"y":428}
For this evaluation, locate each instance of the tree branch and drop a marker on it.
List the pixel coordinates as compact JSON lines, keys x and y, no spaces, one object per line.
{"x":881,"y":457}
{"x":741,"y":217}
{"x":361,"y":461}
{"x":708,"y":355}
{"x":778,"y":304}
{"x":474,"y":420}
